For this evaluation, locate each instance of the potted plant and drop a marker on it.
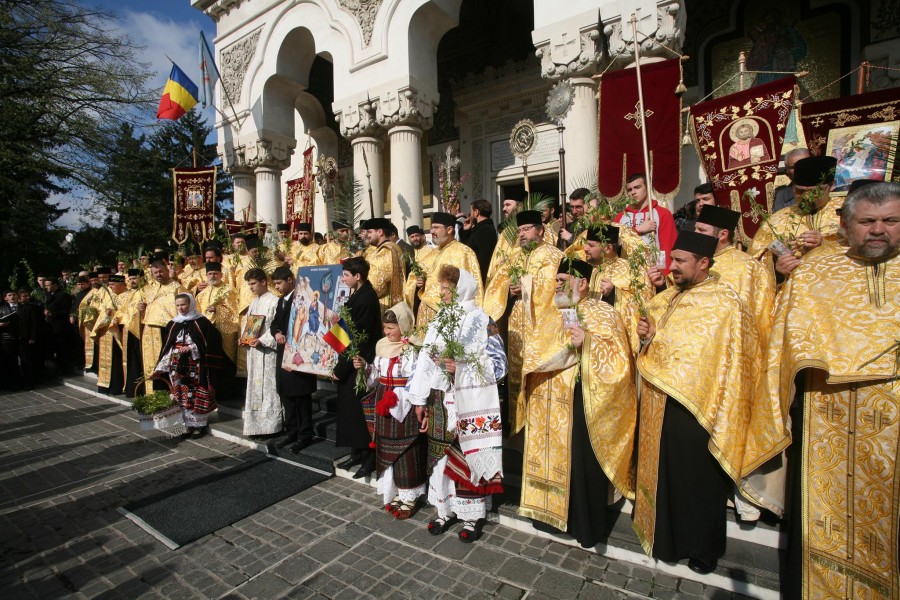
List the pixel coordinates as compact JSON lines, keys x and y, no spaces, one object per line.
{"x":157,"y":410}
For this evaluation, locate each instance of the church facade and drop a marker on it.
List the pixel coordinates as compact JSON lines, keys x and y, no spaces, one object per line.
{"x":386,"y":86}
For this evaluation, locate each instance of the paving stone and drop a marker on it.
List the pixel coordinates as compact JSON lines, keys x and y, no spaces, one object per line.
{"x":592,"y":591}
{"x":558,"y":584}
{"x":639,"y":585}
{"x":519,"y":571}
{"x":691,"y":588}
{"x":295,"y":569}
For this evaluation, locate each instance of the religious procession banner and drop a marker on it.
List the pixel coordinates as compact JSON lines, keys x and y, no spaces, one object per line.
{"x":246,"y":227}
{"x":859,"y":131}
{"x":621,"y":149}
{"x":301,"y":194}
{"x":195,"y":204}
{"x":318,"y":298}
{"x":738,"y":138}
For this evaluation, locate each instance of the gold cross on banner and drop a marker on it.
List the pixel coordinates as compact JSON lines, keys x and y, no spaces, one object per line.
{"x":817,"y":121}
{"x":637,"y":117}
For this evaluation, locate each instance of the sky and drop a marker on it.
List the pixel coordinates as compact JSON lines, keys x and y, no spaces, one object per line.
{"x":161,"y":28}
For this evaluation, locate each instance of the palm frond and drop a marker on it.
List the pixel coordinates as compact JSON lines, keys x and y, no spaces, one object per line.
{"x":348,"y":200}
{"x":533,"y":201}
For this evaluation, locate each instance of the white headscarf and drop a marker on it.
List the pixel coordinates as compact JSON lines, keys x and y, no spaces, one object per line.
{"x":465,"y":291}
{"x":192,"y":313}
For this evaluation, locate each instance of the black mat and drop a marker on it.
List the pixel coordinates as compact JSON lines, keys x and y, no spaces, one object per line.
{"x":195,"y":509}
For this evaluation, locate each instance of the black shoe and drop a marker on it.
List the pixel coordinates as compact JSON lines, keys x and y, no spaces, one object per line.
{"x":355,"y":459}
{"x":284,"y":442}
{"x":296,"y":447}
{"x":701,"y":566}
{"x":367,"y":468}
{"x":199,"y":433}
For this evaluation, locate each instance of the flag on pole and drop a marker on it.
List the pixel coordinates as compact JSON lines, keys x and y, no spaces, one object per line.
{"x":338,"y":337}
{"x":209,"y":74}
{"x":179,"y":95}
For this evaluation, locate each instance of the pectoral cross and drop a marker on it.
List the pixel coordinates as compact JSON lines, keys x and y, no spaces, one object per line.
{"x":637,"y":117}
{"x":877,"y":419}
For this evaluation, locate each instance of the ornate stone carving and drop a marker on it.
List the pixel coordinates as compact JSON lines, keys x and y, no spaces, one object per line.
{"x":407,"y":106}
{"x":270,"y":151}
{"x":666,"y":30}
{"x":570,"y":53}
{"x":359,"y":120}
{"x":364,"y":11}
{"x":235,"y":61}
{"x":216,"y":8}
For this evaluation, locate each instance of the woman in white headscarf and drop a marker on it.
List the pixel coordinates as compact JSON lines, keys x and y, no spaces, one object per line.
{"x":191,"y":358}
{"x":454,"y":388}
{"x":400,"y":449}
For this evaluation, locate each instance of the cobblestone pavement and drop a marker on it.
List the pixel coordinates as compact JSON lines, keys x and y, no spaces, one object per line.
{"x":69,"y":460}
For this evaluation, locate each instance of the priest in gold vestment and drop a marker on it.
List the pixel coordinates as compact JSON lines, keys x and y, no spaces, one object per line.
{"x":129,"y":319}
{"x":157,"y":308}
{"x":580,"y":413}
{"x":338,"y":248}
{"x":110,"y":374}
{"x":611,"y":280}
{"x":424,"y":289}
{"x":793,"y":232}
{"x":529,"y":329}
{"x":218,"y":303}
{"x":305,"y":251}
{"x":833,"y":358}
{"x":385,"y":260}
{"x":705,"y":422}
{"x":754,"y":283}
{"x":88,"y":312}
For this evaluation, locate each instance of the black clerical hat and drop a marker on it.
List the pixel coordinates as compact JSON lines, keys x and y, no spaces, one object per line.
{"x":604,"y":233}
{"x":699,"y":244}
{"x":414,"y":229}
{"x":213,"y":266}
{"x":575,"y":267}
{"x":528,"y":217}
{"x":723,"y":218}
{"x":443,"y":218}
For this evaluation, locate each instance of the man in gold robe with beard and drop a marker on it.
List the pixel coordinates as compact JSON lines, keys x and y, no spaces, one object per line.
{"x":833,"y":359}
{"x":810,"y":224}
{"x":580,"y":413}
{"x":611,"y":280}
{"x":218,"y":303}
{"x":129,"y":319}
{"x":385,"y":263}
{"x":110,"y":376}
{"x":338,"y":248}
{"x":157,"y":308}
{"x":705,"y":422}
{"x":305,"y":252}
{"x":423,"y":288}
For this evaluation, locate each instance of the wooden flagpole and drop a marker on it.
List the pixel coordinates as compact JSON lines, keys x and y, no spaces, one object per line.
{"x":647,"y":171}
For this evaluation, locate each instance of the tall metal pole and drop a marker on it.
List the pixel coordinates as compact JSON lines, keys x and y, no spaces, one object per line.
{"x":647,"y":171}
{"x":369,"y":178}
{"x":562,"y":178}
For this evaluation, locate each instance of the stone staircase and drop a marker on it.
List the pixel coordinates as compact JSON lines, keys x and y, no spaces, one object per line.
{"x":750,"y":566}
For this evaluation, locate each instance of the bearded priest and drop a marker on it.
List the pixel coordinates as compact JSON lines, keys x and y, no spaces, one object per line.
{"x":580,"y":414}
{"x":705,"y":421}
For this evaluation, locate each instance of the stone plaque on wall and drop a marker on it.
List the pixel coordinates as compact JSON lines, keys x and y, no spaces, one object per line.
{"x":546,"y":149}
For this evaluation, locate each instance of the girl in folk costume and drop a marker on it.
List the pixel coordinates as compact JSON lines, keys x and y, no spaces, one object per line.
{"x":454,"y":389}
{"x":400,"y":449}
{"x":191,"y":357}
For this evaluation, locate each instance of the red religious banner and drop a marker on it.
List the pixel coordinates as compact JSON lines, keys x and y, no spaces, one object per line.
{"x":301,"y":194}
{"x":621,"y":150}
{"x":195,"y":204}
{"x":738,"y":139}
{"x":859,"y":131}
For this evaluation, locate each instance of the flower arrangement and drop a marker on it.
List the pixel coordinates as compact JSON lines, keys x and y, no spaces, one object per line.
{"x":152,"y":403}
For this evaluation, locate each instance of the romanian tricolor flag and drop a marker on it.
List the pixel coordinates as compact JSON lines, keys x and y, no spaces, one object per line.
{"x":179,"y":96}
{"x":338,"y":337}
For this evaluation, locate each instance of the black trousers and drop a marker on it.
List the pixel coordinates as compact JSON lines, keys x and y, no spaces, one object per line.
{"x":298,"y":417}
{"x":29,"y":356}
{"x":10,"y":375}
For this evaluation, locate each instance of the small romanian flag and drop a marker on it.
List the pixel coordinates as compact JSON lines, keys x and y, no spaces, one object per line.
{"x":338,"y":337}
{"x":179,"y":96}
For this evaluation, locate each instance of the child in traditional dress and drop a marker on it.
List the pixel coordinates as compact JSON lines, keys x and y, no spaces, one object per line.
{"x":400,"y":448}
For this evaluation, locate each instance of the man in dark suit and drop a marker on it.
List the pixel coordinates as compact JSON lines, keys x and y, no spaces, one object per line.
{"x":480,"y":234}
{"x":365,"y":312}
{"x":294,"y":388}
{"x":56,"y":312}
{"x":31,"y":320}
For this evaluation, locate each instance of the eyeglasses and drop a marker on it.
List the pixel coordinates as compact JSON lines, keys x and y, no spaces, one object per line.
{"x":524,"y":228}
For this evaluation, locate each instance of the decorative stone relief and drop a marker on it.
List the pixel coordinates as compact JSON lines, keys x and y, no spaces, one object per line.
{"x":407,"y":106}
{"x":270,"y":152}
{"x":364,"y":11}
{"x":667,"y":30}
{"x":570,"y":53}
{"x":235,"y":61}
{"x":358,"y":120}
{"x":217,"y":8}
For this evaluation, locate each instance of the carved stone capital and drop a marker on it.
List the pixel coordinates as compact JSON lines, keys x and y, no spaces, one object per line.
{"x":357,"y":118}
{"x":407,"y":106}
{"x":270,"y":150}
{"x":569,"y":48}
{"x":216,"y":8}
{"x":659,"y":23}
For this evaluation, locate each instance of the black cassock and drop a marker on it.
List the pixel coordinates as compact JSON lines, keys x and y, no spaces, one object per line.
{"x":365,"y":311}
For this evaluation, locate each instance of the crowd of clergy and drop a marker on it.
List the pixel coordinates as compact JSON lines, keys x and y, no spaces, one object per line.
{"x":639,"y":356}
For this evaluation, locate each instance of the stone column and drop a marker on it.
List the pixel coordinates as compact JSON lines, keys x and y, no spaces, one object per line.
{"x":406,"y":175}
{"x":244,"y":191}
{"x":268,"y":194}
{"x":374,"y":154}
{"x":580,"y":135}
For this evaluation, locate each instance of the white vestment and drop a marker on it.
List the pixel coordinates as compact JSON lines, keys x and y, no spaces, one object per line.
{"x":263,"y":412}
